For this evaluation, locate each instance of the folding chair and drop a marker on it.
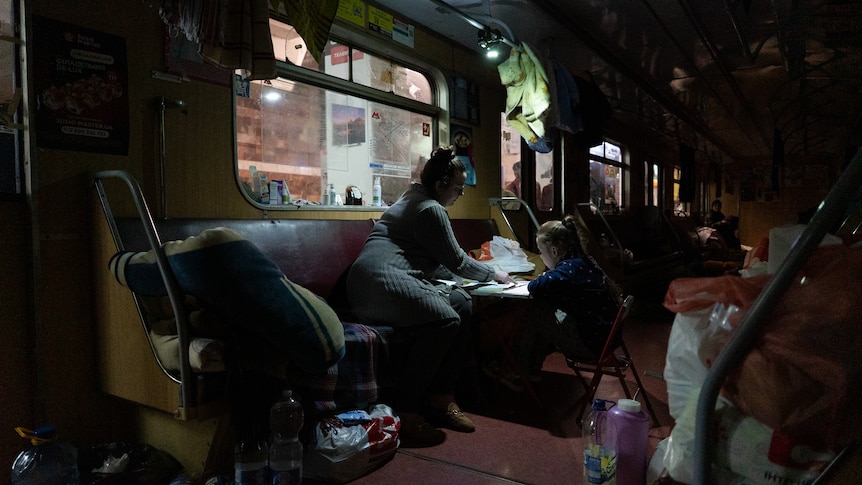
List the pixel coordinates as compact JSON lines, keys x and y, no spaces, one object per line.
{"x":610,"y":363}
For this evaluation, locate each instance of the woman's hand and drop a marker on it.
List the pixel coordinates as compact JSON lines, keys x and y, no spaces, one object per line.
{"x":503,"y":277}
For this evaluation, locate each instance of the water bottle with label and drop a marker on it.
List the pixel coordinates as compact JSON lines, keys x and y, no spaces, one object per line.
{"x":46,"y":461}
{"x":599,"y":452}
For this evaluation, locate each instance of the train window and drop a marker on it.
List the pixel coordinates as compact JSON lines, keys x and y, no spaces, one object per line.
{"x":510,"y":158}
{"x":325,"y":132}
{"x":608,"y":167}
{"x":652,"y":184}
{"x":679,"y":207}
{"x":545,"y":180}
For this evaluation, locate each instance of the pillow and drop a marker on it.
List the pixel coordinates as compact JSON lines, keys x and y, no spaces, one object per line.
{"x":205,"y":355}
{"x":228,"y":275}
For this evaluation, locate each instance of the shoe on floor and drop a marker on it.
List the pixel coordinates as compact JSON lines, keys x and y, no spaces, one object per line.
{"x":416,"y":432}
{"x":454,"y":419}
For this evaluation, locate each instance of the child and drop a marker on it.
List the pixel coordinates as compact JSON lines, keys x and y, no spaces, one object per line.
{"x":574,"y":304}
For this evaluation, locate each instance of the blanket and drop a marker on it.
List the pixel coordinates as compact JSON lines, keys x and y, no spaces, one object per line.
{"x":228,"y":275}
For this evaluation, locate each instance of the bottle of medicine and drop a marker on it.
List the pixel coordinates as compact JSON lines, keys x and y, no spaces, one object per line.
{"x":377,"y":193}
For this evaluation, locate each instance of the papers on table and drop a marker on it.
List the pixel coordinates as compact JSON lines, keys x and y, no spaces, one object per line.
{"x":517,"y":290}
{"x":492,"y":288}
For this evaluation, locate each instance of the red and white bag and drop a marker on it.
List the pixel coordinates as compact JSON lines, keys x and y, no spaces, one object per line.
{"x":340,"y":453}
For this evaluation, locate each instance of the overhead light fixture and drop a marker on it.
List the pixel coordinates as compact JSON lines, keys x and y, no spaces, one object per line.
{"x":490,"y":40}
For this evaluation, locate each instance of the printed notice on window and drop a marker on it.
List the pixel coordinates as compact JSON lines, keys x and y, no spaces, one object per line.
{"x":81,"y":81}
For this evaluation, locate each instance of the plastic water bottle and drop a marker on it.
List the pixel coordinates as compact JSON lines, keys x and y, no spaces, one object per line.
{"x":47,"y":461}
{"x":250,"y":457}
{"x":630,"y":427}
{"x":285,"y":449}
{"x":599,"y":452}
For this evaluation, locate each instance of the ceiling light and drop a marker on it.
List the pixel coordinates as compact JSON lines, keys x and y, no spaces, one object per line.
{"x":489,"y":40}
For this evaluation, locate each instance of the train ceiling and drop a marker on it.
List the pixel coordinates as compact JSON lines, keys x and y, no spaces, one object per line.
{"x":723,"y":76}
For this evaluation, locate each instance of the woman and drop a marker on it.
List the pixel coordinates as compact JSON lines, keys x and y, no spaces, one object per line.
{"x":393,"y":283}
{"x":574,"y":304}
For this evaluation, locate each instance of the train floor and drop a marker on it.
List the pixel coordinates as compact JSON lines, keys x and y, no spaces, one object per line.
{"x":519,"y":441}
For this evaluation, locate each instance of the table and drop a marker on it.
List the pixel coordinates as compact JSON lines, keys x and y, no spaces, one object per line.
{"x":496,"y":300}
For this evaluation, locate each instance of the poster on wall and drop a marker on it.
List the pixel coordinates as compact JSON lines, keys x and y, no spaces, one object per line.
{"x":81,"y":81}
{"x":462,"y":140}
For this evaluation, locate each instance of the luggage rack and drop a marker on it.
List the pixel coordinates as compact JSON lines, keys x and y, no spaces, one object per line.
{"x":834,"y":207}
{"x":185,"y":379}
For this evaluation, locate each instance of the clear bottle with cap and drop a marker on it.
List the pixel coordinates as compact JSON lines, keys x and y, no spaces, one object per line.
{"x":599,"y":452}
{"x":285,"y":449}
{"x":629,"y":426}
{"x":47,"y":460}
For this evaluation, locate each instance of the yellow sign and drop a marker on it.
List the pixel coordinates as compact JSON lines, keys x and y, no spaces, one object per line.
{"x":352,"y":11}
{"x":380,"y":21}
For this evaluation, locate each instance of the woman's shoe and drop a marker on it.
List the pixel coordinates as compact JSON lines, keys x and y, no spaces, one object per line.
{"x":454,"y":419}
{"x":415,"y":432}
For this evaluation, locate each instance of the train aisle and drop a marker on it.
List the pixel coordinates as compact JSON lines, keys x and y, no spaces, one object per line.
{"x":517,"y":442}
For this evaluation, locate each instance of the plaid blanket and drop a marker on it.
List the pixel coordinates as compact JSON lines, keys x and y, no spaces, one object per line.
{"x":352,"y":383}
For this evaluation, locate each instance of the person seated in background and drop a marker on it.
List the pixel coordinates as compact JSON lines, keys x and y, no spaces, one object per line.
{"x":515,"y":185}
{"x":726,"y":226}
{"x":547,"y":200}
{"x":393,"y":282}
{"x":573,"y":307}
{"x":715,"y":216}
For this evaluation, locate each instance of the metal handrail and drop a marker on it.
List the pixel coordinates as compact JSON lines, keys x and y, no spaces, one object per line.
{"x":498,"y":201}
{"x":613,"y":235}
{"x":828,"y":214}
{"x":168,"y":277}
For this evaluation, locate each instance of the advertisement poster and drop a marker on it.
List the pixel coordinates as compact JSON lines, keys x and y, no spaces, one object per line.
{"x":81,"y":81}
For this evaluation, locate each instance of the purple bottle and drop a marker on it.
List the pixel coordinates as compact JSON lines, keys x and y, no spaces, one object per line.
{"x":630,"y":428}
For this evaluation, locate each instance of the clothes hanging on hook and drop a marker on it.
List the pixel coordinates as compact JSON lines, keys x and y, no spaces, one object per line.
{"x":527,"y":93}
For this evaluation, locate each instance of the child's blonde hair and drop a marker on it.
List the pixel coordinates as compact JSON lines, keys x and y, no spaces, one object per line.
{"x":570,"y":237}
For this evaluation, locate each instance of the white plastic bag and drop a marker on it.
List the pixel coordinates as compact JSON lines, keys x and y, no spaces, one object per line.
{"x":507,"y":255}
{"x":340,"y":453}
{"x":747,"y":451}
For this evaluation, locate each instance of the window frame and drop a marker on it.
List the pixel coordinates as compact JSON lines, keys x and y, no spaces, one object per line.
{"x":438,"y":110}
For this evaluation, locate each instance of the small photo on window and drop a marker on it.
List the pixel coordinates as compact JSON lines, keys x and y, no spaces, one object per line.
{"x":348,"y":125}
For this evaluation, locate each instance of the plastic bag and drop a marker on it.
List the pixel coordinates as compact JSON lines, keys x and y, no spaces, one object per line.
{"x":506,"y":255}
{"x":340,"y":453}
{"x":691,"y":346}
{"x":747,"y":451}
